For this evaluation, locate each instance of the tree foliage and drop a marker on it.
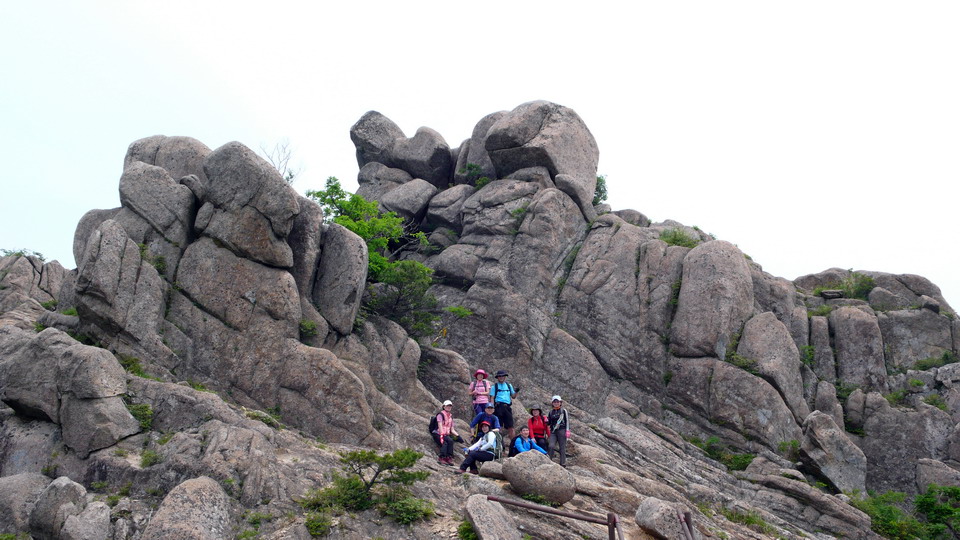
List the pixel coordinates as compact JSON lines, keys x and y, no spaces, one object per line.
{"x":404,"y":298}
{"x":600,"y":193}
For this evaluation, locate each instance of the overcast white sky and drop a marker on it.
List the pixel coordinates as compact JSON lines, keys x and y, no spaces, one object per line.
{"x":812,"y":134}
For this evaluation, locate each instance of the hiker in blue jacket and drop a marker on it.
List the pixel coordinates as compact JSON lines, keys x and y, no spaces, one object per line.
{"x":488,"y":417}
{"x":524,"y":443}
{"x":501,"y":394}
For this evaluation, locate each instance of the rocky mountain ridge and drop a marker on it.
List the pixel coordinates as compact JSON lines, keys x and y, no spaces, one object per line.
{"x":211,"y":266}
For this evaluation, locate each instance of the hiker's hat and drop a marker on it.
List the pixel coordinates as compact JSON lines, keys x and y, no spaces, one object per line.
{"x":479,"y":372}
{"x":535,"y":408}
{"x":489,"y":405}
{"x":556,"y":398}
{"x":447,"y":402}
{"x":485,"y":423}
{"x":501,"y":373}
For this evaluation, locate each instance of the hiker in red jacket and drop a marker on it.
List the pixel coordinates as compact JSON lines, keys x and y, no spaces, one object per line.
{"x":539,"y":427}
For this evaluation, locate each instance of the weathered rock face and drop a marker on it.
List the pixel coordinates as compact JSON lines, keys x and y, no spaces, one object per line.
{"x":490,"y":520}
{"x":196,"y":509}
{"x":859,"y":347}
{"x":213,"y":270}
{"x":532,"y":473}
{"x":18,"y":495}
{"x":827,"y":450}
{"x":248,"y":206}
{"x":716,"y":298}
{"x":661,"y":519}
{"x":545,"y":134}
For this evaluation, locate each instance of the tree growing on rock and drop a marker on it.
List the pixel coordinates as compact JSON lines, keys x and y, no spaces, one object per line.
{"x":403,"y":296}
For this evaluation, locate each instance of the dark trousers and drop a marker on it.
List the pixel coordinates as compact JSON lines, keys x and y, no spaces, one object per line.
{"x":558,"y":441}
{"x":446,"y":448}
{"x":542,"y":442}
{"x":504,"y":413}
{"x":473,"y":457}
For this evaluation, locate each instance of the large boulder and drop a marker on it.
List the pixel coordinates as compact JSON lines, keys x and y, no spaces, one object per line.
{"x":540,"y":133}
{"x":474,"y":152}
{"x":18,"y":494}
{"x":61,"y":499}
{"x":768,"y":342}
{"x":197,"y":509}
{"x":341,"y":277}
{"x":376,"y":180}
{"x":859,"y":346}
{"x":306,"y":239}
{"x":490,"y":520}
{"x":716,"y":299}
{"x":248,"y":206}
{"x":824,"y":364}
{"x":912,"y":335}
{"x":425,"y":155}
{"x":409,"y":200}
{"x":445,"y":208}
{"x":93,"y":523}
{"x":29,"y":276}
{"x":662,"y":519}
{"x":532,"y":473}
{"x":374,"y":136}
{"x":88,"y":223}
{"x":827,"y":450}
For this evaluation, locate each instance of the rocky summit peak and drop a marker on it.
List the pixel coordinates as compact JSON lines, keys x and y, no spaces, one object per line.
{"x":221,"y":343}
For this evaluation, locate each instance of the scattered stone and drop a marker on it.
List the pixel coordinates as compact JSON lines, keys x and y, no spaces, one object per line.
{"x":662,"y":519}
{"x":828,"y":451}
{"x":532,"y":473}
{"x":490,"y":520}
{"x":197,"y":509}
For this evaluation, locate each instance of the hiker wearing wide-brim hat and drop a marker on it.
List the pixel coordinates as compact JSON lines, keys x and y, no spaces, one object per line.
{"x":502,"y":394}
{"x":539,"y":427}
{"x":479,"y":391}
{"x":559,"y":422}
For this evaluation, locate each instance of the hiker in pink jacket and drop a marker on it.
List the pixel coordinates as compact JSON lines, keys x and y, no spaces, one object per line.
{"x":445,"y":434}
{"x":479,"y":391}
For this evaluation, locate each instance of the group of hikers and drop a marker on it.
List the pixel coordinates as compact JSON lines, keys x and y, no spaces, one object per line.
{"x":495,"y":429}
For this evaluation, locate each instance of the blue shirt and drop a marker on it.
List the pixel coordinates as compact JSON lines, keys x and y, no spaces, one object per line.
{"x":503,"y":396}
{"x":494,"y":421}
{"x":527,"y":446}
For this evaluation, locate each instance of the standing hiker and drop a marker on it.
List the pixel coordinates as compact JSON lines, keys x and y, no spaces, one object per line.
{"x":502,"y":394}
{"x":559,"y":423}
{"x":539,"y":427}
{"x":479,"y":391}
{"x":445,"y":434}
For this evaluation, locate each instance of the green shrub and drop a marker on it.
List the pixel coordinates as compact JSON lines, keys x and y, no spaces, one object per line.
{"x":165,"y":438}
{"x":936,"y":400}
{"x":855,"y":285}
{"x":143,"y":412}
{"x":750,"y":519}
{"x":888,"y":519}
{"x":459,"y":311}
{"x":719,"y":452}
{"x":408,"y":510}
{"x":112,"y":500}
{"x":39,"y":327}
{"x":916,"y":383}
{"x":149,"y":458}
{"x":267,"y":419}
{"x":99,"y":486}
{"x":308,"y":329}
{"x":318,"y":523}
{"x":747,"y":364}
{"x":49,"y":305}
{"x":22,"y":253}
{"x":465,"y":531}
{"x":255,"y":519}
{"x":807,"y":354}
{"x":935,"y":361}
{"x":940,"y":505}
{"x":407,"y":300}
{"x":677,"y":237}
{"x":897,"y":397}
{"x":790,"y":449}
{"x":482,"y":182}
{"x":70,"y":311}
{"x":820,"y":311}
{"x":600,"y":192}
{"x":247,"y":534}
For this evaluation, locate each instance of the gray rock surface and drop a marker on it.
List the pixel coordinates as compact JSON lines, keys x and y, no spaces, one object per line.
{"x":532,"y":473}
{"x":93,"y":523}
{"x":376,"y":180}
{"x":660,"y":519}
{"x":341,"y":277}
{"x":61,"y":499}
{"x":489,"y":519}
{"x":767,"y":341}
{"x":824,"y":364}
{"x":197,"y":509}
{"x":540,"y":133}
{"x":716,"y":299}
{"x":409,"y":200}
{"x":827,"y":402}
{"x":18,"y":494}
{"x":306,"y":239}
{"x":859,"y":349}
{"x":251,"y":209}
{"x":425,"y":155}
{"x":912,"y":335}
{"x":374,"y":136}
{"x":474,"y":151}
{"x":827,"y":450}
{"x":445,"y":208}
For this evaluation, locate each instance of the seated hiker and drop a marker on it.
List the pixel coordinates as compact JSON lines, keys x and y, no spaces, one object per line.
{"x":445,"y":434}
{"x":479,"y":391}
{"x":486,"y":416}
{"x":501,"y":394}
{"x":524,"y":443}
{"x":482,"y":450}
{"x":539,"y":427}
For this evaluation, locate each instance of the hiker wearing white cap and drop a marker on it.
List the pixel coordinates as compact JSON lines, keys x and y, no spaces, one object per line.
{"x":559,"y":429}
{"x":444,"y":433}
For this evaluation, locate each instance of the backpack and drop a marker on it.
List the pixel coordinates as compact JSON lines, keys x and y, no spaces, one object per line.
{"x":497,"y":446}
{"x":496,"y":390}
{"x":434,"y":426}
